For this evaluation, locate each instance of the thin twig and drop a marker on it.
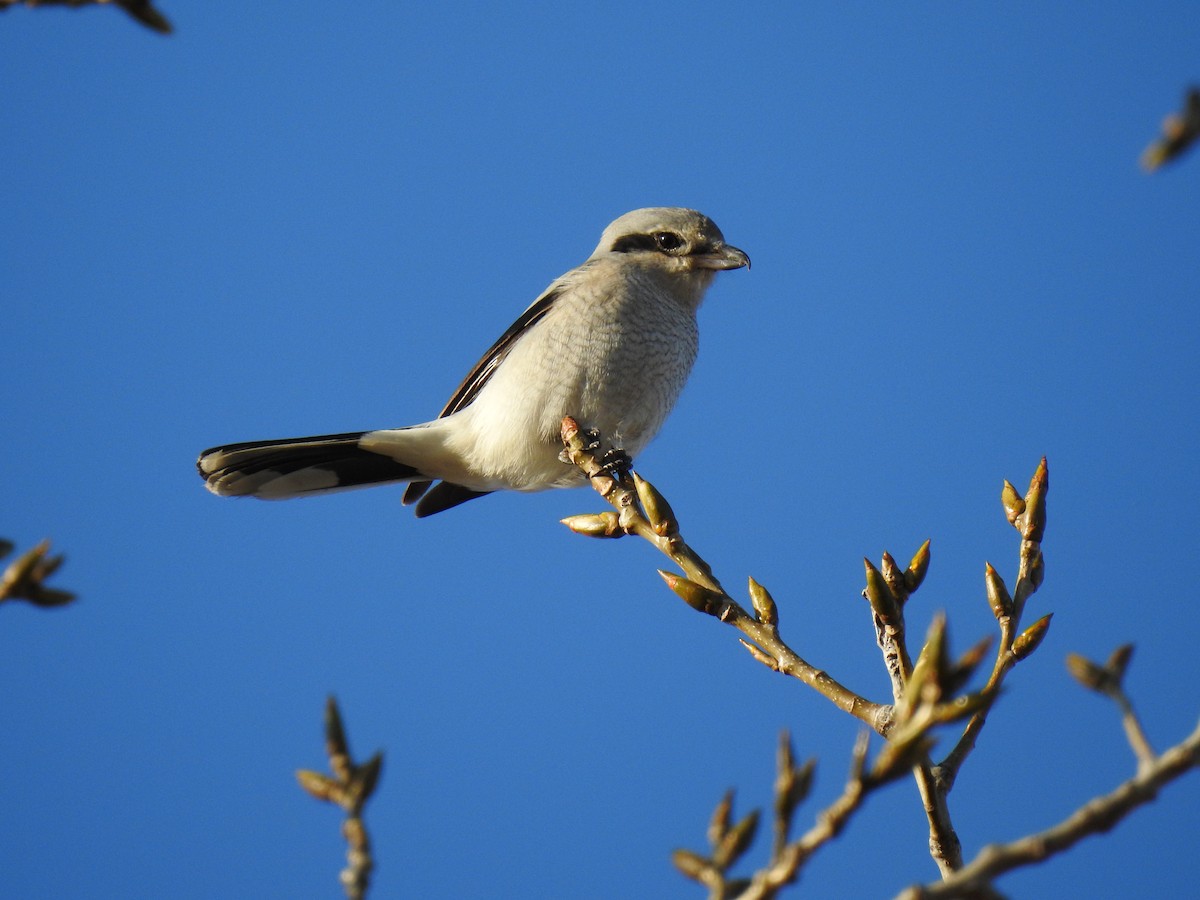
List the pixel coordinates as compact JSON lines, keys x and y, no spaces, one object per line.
{"x":767,"y":646}
{"x":25,"y":577}
{"x":350,"y":788}
{"x":1097,"y":816}
{"x":1028,"y":515}
{"x":888,"y":592}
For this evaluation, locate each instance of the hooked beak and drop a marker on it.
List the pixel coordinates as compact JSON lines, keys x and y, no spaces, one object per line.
{"x":723,"y":256}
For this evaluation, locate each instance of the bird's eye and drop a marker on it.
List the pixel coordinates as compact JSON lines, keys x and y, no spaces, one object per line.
{"x":667,"y":241}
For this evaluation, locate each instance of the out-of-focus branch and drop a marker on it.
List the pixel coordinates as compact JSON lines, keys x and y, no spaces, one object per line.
{"x":642,"y":511}
{"x":141,"y":10}
{"x":350,"y":788}
{"x":1095,"y":817}
{"x":1179,"y":131}
{"x":24,"y":579}
{"x":1109,"y":681}
{"x":791,"y":788}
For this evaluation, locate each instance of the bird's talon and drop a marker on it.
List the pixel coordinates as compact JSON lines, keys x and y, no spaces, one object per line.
{"x":616,"y":462}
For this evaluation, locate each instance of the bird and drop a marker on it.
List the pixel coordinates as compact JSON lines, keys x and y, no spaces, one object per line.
{"x":610,"y":343}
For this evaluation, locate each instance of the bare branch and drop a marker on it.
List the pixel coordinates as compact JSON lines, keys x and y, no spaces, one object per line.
{"x":1028,"y":515}
{"x":1109,"y":681}
{"x":350,"y":788}
{"x":1094,"y":817}
{"x":700,"y":589}
{"x":24,"y":579}
{"x":1179,"y":131}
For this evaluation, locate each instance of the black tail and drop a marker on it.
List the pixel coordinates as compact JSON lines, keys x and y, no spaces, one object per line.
{"x":295,"y":467}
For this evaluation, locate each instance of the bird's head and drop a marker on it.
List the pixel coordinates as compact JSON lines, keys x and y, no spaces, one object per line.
{"x":681,"y":242}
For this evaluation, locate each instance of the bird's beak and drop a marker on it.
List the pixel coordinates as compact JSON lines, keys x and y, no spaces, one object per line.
{"x":722,"y":256}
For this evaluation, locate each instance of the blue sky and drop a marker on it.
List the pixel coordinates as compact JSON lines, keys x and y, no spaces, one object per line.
{"x":313,"y":219}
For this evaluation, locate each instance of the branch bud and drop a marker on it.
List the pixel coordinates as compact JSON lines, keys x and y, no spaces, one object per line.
{"x":1033,"y":523}
{"x":879,"y":595}
{"x":39,"y":595}
{"x":962,"y":707}
{"x":997,"y":594}
{"x":915,"y":574}
{"x":366,"y":777}
{"x":1087,"y":673}
{"x":1118,"y":662}
{"x":718,"y":825}
{"x":658,"y":510}
{"x":568,"y":429}
{"x":924,"y":683}
{"x":764,"y":604}
{"x":596,"y":525}
{"x":791,"y":784}
{"x":962,"y":670}
{"x":335,"y":734}
{"x":735,"y":842}
{"x":693,"y":865}
{"x":697,"y":596}
{"x":1031,"y":638}
{"x":760,"y":655}
{"x":320,"y":786}
{"x":1014,"y":504}
{"x":20,"y":579}
{"x":1037,"y":569}
{"x":893,"y":576}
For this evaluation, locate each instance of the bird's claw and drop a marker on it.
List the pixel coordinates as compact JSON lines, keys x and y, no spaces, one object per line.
{"x":615,"y":463}
{"x":591,"y":439}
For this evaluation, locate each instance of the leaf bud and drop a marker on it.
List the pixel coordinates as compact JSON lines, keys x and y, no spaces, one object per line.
{"x":764,"y":604}
{"x":1031,"y":638}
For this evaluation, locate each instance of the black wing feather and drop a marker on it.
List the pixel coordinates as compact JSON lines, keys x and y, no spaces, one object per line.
{"x":473,"y":384}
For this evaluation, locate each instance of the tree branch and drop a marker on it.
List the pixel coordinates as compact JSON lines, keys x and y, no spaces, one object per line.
{"x":350,"y":788}
{"x":700,"y":589}
{"x":1096,"y":816}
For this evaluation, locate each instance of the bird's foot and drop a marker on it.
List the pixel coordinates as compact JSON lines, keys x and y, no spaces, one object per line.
{"x":591,"y":439}
{"x":616,"y":463}
{"x":591,"y":443}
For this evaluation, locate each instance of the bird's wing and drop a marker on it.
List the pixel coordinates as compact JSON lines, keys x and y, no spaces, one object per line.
{"x":479,"y":375}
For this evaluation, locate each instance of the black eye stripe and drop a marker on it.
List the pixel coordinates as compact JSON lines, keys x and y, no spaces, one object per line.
{"x":660,"y":241}
{"x":630,"y":242}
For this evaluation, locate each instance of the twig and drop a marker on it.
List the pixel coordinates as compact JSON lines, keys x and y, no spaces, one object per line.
{"x":888,"y":589}
{"x":350,"y":788}
{"x":24,"y":578}
{"x":924,"y":692}
{"x":791,"y":787}
{"x":786,"y":864}
{"x":700,"y":589}
{"x":1028,"y":516}
{"x":1109,"y":681}
{"x":1098,"y":815}
{"x":1179,"y":131}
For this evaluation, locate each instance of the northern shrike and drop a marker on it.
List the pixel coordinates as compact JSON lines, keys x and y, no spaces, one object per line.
{"x":610,"y":343}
